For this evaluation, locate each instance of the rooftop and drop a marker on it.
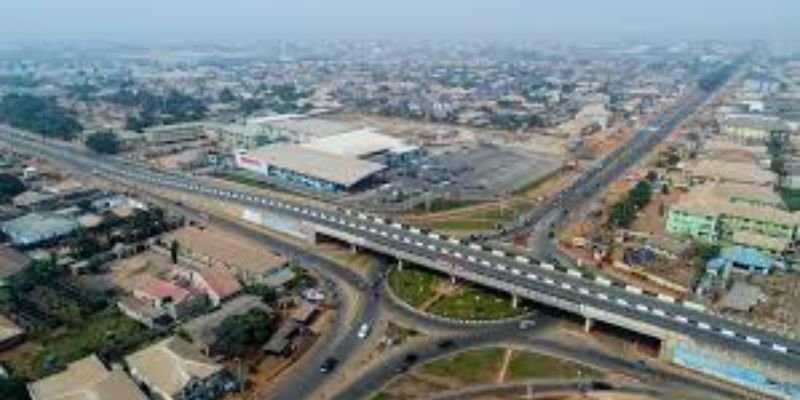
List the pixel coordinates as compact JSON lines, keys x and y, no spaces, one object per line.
{"x":761,"y":241}
{"x":329,"y":167}
{"x":748,"y":193}
{"x":358,"y":143}
{"x":8,"y":329}
{"x":161,"y":289}
{"x":747,"y":256}
{"x":86,"y":379}
{"x":171,"y":364}
{"x":34,"y":227}
{"x":741,"y":172}
{"x":202,"y":329}
{"x":755,"y":121}
{"x":245,"y":256}
{"x":220,"y":281}
{"x":704,"y":201}
{"x":311,"y":127}
{"x":11,"y":262}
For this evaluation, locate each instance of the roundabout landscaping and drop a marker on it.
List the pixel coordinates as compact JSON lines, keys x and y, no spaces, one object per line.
{"x":435,"y":294}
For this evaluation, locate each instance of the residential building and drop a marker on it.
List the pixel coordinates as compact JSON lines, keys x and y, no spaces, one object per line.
{"x":202,"y":330}
{"x":10,"y":333}
{"x":35,"y":228}
{"x":86,"y":379}
{"x":791,"y":178}
{"x":706,"y":170}
{"x":176,"y":301}
{"x":726,"y":150}
{"x":173,"y":369}
{"x":705,"y":215}
{"x":752,"y":128}
{"x":215,"y":281}
{"x":12,"y":262}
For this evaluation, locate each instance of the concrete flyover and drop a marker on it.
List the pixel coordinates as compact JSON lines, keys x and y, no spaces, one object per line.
{"x":571,"y":290}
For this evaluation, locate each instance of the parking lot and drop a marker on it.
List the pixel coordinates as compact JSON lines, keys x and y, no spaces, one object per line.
{"x":483,"y":172}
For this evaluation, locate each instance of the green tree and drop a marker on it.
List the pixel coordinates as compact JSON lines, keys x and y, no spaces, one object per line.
{"x":10,"y":186}
{"x":38,"y":114}
{"x":13,"y":389}
{"x":238,"y":334}
{"x":226,"y":96}
{"x":641,"y":193}
{"x":174,"y":250}
{"x":622,"y":214}
{"x":105,"y":142}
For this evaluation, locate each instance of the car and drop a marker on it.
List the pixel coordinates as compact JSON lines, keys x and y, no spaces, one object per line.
{"x":446,"y":344}
{"x":363,"y":330}
{"x":328,"y":365}
{"x":411,"y":359}
{"x":525,"y":324}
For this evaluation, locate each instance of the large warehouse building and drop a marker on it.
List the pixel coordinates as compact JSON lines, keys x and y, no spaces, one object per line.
{"x":340,"y":162}
{"x":308,"y":167}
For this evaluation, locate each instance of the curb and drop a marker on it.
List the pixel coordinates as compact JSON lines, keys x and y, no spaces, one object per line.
{"x":475,"y":322}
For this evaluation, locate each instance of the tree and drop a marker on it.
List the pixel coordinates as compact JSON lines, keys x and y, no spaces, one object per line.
{"x":38,"y":114}
{"x":10,"y":186}
{"x":105,"y":142}
{"x":226,"y":96}
{"x":239,"y":333}
{"x":622,"y":214}
{"x":13,"y":389}
{"x":174,"y":250}
{"x":641,"y":193}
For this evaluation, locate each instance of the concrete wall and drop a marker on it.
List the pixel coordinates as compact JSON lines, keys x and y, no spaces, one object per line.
{"x":740,"y":370}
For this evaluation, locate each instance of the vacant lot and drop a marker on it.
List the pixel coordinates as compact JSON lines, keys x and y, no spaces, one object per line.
{"x":108,"y":333}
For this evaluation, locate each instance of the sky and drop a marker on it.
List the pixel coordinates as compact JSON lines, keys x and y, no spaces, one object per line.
{"x":255,"y":20}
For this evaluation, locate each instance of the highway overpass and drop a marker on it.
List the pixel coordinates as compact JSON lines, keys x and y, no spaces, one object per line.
{"x":571,"y":290}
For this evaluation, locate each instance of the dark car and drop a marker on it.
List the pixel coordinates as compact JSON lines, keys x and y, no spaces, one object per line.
{"x":446,"y":344}
{"x":328,"y":365}
{"x":411,"y":359}
{"x":408,"y":361}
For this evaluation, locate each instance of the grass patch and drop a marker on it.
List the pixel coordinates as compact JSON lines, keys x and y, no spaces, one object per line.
{"x":540,"y":366}
{"x":246,"y":179}
{"x":413,"y":285}
{"x":440,"y":204}
{"x":792,"y":198}
{"x":477,"y":303}
{"x":474,"y":366}
{"x":108,"y":333}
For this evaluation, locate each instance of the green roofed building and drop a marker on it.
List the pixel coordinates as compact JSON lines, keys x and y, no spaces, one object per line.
{"x":711,"y":215}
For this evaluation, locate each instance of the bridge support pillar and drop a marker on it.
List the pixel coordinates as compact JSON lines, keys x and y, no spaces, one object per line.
{"x":399,"y":264}
{"x":588,"y":324}
{"x":353,"y":248}
{"x":514,"y":301}
{"x":452,"y":279}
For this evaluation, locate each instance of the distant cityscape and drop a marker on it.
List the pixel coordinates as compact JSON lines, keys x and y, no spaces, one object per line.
{"x":381,"y":220}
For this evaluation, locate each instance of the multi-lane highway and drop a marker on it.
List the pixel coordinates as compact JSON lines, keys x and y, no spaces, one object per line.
{"x":609,"y":168}
{"x":556,"y":286}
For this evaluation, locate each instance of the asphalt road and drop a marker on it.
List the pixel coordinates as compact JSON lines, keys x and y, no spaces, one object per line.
{"x":377,"y":376}
{"x":494,"y":269}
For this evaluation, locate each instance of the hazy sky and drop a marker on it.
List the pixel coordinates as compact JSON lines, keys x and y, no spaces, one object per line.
{"x":203,"y":20}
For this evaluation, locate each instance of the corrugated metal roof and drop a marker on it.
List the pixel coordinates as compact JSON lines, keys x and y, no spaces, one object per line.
{"x":317,"y":164}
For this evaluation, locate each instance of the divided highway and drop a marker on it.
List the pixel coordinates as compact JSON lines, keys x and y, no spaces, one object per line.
{"x":568,"y":289}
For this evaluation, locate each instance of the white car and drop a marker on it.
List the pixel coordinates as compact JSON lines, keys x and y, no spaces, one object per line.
{"x":363,"y":330}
